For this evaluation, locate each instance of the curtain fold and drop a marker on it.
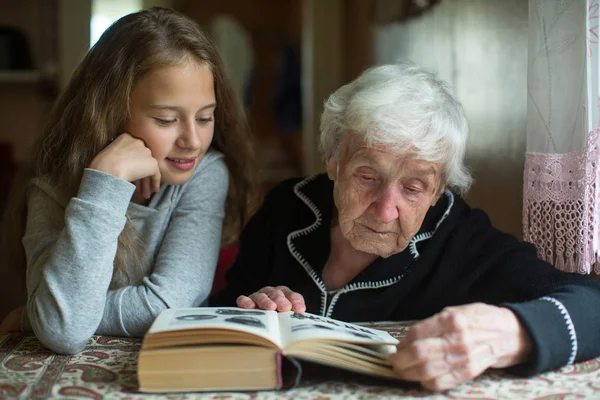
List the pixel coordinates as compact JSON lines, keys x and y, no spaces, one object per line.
{"x":561,"y":194}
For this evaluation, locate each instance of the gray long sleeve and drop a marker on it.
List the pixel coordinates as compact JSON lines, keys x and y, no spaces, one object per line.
{"x":70,"y":248}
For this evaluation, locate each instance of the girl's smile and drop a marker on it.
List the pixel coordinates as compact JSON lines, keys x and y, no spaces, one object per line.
{"x":183,"y":164}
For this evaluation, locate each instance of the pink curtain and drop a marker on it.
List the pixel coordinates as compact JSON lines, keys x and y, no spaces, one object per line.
{"x":561,"y":199}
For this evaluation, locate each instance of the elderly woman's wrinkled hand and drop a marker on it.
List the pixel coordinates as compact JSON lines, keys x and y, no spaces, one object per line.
{"x":279,"y":298}
{"x":459,"y":344}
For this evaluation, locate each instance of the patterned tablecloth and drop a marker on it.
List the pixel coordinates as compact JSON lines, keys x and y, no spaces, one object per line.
{"x":107,"y":369}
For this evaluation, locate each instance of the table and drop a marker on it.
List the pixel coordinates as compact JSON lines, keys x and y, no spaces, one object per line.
{"x":106,"y":369}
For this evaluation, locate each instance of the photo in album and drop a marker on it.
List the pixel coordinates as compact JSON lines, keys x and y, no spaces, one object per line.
{"x":302,"y":322}
{"x":209,"y":317}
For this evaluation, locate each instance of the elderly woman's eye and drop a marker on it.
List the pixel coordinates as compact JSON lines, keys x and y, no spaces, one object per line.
{"x":367,"y":178}
{"x":412,"y":190}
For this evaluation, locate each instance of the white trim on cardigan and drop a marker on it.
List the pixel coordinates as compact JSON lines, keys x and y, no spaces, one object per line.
{"x":570,"y":326}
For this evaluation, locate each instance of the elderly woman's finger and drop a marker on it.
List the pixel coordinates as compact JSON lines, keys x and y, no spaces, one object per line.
{"x":453,"y":368}
{"x":263,"y":301}
{"x":278,"y":296}
{"x":286,"y":290}
{"x":419,"y":352}
{"x":245,"y":302}
{"x":454,"y":349}
{"x":283,"y":304}
{"x":426,"y":371}
{"x":274,"y":294}
{"x":266,"y":289}
{"x":458,"y":375}
{"x":450,"y":319}
{"x":297,"y":300}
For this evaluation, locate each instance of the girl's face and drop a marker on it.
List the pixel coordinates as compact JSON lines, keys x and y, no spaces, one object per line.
{"x":172,"y":111}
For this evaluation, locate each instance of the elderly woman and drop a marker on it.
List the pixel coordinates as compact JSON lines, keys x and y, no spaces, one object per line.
{"x":386,"y":235}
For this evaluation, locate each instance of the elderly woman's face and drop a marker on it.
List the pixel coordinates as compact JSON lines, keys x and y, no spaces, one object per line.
{"x":382,"y":197}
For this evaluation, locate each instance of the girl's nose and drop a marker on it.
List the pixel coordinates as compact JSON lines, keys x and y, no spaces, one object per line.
{"x":189,"y":137}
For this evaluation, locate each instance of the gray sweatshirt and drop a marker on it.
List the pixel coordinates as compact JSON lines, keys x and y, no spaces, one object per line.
{"x":71,"y":244}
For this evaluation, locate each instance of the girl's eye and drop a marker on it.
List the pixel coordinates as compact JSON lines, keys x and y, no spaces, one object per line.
{"x":204,"y":120}
{"x":161,"y":121}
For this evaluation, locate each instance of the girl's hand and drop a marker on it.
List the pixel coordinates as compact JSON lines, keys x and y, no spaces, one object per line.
{"x":12,"y":322}
{"x":280,"y":298}
{"x":128,"y":158}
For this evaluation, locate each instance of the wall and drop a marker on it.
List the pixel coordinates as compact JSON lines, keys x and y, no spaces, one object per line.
{"x":322,"y":70}
{"x":58,"y":32}
{"x":272,"y":26}
{"x":73,"y":38}
{"x":25,"y":97}
{"x":480,"y":47}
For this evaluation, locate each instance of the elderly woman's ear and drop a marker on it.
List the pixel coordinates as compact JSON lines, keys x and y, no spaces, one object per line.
{"x":440,"y":191}
{"x":332,"y":167}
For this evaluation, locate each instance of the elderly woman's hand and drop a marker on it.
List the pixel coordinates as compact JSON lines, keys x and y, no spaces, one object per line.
{"x":459,"y":344}
{"x":279,"y":298}
{"x":12,"y":322}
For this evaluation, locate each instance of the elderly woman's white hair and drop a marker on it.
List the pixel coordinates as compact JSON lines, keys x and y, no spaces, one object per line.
{"x":405,"y":108}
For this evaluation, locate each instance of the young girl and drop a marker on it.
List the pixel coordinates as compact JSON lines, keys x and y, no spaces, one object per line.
{"x":125,"y":211}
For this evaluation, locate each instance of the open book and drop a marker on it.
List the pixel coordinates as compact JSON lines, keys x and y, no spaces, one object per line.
{"x":227,"y":348}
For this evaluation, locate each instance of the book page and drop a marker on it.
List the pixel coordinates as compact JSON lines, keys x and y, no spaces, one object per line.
{"x":297,"y":327}
{"x":262,"y":323}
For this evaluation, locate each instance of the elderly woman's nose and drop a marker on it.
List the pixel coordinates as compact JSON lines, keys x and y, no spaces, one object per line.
{"x":385,"y":208}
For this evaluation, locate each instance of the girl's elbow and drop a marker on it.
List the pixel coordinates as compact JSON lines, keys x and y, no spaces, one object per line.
{"x":62,"y":336}
{"x":65,"y":344}
{"x":62,"y":340}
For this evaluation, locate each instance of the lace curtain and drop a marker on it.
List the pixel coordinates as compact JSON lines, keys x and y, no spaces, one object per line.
{"x":561,"y":204}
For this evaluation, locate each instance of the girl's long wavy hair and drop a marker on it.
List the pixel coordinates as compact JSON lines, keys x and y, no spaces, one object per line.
{"x":95,"y":104}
